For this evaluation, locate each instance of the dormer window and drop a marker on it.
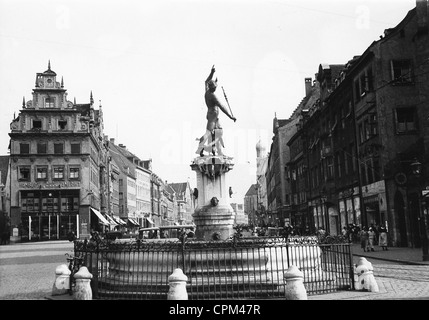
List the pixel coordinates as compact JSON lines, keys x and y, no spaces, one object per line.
{"x":49,"y":102}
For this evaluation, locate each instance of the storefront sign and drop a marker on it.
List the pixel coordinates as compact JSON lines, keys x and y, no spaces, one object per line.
{"x":62,"y":184}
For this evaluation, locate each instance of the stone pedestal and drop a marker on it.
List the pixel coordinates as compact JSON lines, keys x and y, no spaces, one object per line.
{"x":177,"y":281}
{"x":82,"y":289}
{"x":213,"y":217}
{"x":62,"y":280}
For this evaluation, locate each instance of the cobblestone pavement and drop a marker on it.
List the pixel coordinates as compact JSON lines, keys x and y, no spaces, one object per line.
{"x":399,"y":274}
{"x":27,"y":270}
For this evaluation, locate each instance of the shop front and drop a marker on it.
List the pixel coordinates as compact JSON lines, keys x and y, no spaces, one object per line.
{"x":374,"y":202}
{"x":349,"y":208}
{"x":49,"y":214}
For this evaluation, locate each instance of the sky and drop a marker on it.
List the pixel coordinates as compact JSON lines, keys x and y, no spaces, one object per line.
{"x":146,"y":62}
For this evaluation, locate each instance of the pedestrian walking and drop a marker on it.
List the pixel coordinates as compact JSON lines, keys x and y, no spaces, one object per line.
{"x":363,"y":239}
{"x":382,"y":241}
{"x":371,"y":239}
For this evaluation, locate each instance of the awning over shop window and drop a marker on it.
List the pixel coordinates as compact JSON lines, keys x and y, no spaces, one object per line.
{"x":111,"y":220}
{"x":150,"y":220}
{"x":134,"y":222}
{"x":119,"y":220}
{"x":100,"y":217}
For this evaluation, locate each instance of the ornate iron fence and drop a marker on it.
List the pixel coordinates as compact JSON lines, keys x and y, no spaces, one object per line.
{"x":241,"y":268}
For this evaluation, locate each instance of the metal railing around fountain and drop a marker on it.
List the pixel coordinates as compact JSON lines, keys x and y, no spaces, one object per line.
{"x":240,"y":268}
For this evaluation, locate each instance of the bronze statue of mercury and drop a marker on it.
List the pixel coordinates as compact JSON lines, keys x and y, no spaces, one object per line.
{"x":214,"y":131}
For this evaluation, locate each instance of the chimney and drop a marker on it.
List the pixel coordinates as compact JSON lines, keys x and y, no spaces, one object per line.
{"x":422,"y":11}
{"x":307,"y":86}
{"x":112,"y":140}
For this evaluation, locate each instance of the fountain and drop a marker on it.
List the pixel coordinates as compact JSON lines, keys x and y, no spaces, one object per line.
{"x":213,"y":261}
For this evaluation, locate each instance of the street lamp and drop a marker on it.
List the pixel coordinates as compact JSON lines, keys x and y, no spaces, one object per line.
{"x":416,"y":168}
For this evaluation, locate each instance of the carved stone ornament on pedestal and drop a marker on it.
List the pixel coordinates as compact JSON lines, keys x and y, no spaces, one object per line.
{"x":213,"y":216}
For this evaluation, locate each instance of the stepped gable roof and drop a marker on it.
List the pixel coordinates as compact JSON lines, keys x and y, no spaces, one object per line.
{"x":4,"y":168}
{"x":252,"y":190}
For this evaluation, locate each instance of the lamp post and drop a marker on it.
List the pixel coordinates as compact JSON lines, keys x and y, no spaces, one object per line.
{"x":416,"y":168}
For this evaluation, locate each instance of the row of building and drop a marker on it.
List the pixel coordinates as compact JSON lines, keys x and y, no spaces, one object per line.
{"x":65,"y":175}
{"x":355,"y":151}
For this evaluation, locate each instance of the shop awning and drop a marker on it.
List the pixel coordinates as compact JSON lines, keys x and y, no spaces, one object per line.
{"x":119,"y":220}
{"x":111,"y":220}
{"x":150,"y":220}
{"x":100,"y":217}
{"x":134,"y":222}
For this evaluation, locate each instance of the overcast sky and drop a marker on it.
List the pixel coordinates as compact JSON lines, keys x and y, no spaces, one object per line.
{"x":146,"y":61}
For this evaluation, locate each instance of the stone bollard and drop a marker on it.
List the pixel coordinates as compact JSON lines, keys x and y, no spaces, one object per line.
{"x":365,"y":276}
{"x":82,"y":289}
{"x":294,"y":289}
{"x":177,"y":281}
{"x":62,"y":280}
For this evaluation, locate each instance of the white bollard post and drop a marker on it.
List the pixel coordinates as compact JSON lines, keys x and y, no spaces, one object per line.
{"x":177,"y":281}
{"x":62,"y":280}
{"x":82,"y":289}
{"x":365,"y":276}
{"x":294,"y":289}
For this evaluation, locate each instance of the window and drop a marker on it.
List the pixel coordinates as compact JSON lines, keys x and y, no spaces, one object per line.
{"x":24,"y":148}
{"x":62,"y":124}
{"x":58,"y":148}
{"x":49,"y":102}
{"x":373,"y":124}
{"x":75,"y":148}
{"x":346,"y":163}
{"x":330,"y":164}
{"x":364,"y":83}
{"x":339,"y":165}
{"x":401,"y":71}
{"x":406,"y":120}
{"x":24,"y":174}
{"x":42,"y":173}
{"x":41,"y":147}
{"x":74,"y":173}
{"x":37,"y":125}
{"x":59,"y":172}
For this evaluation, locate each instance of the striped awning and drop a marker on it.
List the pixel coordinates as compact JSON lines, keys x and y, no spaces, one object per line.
{"x":134,"y":222}
{"x":111,"y":220}
{"x":100,"y":217}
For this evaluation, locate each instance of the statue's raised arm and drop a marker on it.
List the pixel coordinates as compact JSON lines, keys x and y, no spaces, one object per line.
{"x":213,"y":129}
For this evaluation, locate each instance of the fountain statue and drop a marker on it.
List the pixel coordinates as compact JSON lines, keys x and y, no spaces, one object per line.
{"x":213,"y":216}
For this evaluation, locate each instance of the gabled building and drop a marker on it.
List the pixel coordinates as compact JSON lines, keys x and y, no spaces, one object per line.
{"x":185,"y":202}
{"x":297,"y":167}
{"x":127,"y":185}
{"x":251,"y":206}
{"x":58,"y":157}
{"x":366,"y":139}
